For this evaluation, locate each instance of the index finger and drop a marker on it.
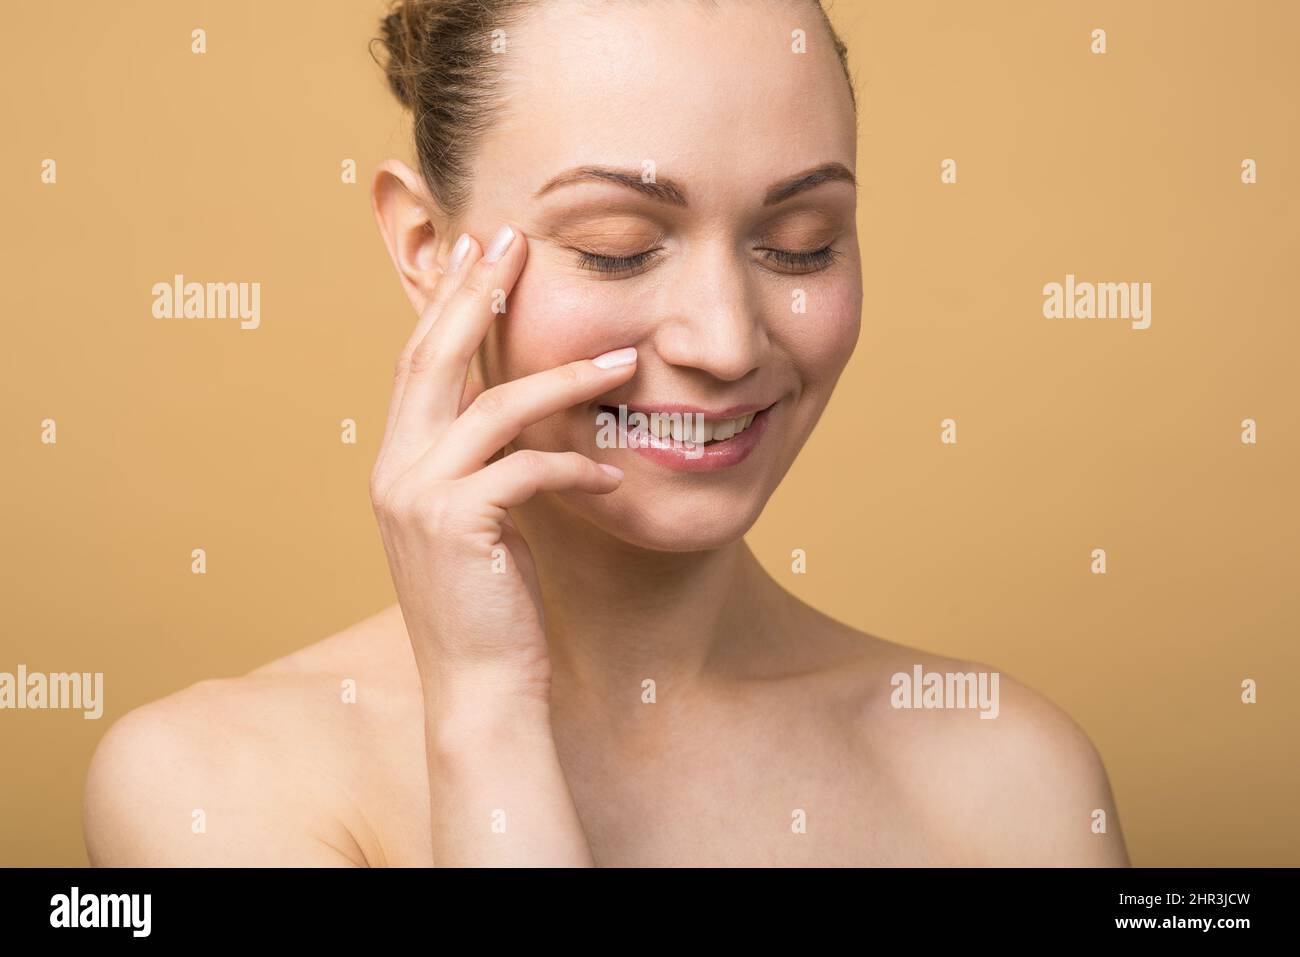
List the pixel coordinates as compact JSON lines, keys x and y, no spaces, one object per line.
{"x":440,"y":363}
{"x":464,"y":254}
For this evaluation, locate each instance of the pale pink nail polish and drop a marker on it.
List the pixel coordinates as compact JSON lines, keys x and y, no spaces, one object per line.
{"x":458,"y":253}
{"x":500,"y":243}
{"x":619,"y":357}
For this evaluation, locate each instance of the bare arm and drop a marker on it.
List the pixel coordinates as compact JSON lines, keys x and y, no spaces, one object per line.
{"x":497,"y":792}
{"x":464,"y":575}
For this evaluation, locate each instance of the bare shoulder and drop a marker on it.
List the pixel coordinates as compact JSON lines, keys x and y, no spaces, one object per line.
{"x":1033,"y":788}
{"x":257,"y":769}
{"x":998,"y":774}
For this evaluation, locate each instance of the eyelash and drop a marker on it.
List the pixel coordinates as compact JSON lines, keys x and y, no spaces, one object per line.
{"x":804,"y":262}
{"x":622,"y":265}
{"x":614,"y":265}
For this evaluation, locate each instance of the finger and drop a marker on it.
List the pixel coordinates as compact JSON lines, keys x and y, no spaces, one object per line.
{"x":499,"y":414}
{"x":440,"y":362}
{"x":465,"y":252}
{"x":474,"y":386}
{"x":521,"y":475}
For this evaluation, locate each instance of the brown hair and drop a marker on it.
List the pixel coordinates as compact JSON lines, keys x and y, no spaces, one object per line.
{"x":438,"y":59}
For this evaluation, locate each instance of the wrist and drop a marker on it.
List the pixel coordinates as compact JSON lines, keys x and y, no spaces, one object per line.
{"x":475,"y":719}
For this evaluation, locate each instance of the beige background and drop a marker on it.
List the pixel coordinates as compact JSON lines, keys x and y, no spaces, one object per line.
{"x":1072,"y":435}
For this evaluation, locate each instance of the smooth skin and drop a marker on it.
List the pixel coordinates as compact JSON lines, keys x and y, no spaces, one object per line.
{"x":501,"y":715}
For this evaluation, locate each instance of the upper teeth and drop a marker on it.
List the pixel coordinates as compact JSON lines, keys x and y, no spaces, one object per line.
{"x":688,"y":427}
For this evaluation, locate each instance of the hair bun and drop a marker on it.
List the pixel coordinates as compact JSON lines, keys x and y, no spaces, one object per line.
{"x":400,"y":34}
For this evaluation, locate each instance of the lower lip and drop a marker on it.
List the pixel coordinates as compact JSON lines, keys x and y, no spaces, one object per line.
{"x":715,"y":455}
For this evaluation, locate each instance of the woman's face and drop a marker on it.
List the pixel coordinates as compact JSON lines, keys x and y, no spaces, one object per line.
{"x":735,"y":272}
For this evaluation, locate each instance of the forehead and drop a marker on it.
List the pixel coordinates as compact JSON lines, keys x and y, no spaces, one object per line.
{"x":714,"y":95}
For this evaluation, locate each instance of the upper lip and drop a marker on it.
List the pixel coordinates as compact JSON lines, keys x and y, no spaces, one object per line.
{"x":730,"y":412}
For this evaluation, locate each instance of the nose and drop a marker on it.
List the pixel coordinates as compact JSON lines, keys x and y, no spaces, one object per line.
{"x":714,"y":318}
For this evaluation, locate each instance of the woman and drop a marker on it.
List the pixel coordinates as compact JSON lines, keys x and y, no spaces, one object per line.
{"x":620,"y":208}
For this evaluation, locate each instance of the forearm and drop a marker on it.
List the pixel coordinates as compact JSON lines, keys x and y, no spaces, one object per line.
{"x":498,"y":795}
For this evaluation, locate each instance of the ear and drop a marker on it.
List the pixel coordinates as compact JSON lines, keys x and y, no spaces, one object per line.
{"x":408,"y":222}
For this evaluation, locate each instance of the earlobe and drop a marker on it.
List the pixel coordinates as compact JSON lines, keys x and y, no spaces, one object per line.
{"x":402,"y":206}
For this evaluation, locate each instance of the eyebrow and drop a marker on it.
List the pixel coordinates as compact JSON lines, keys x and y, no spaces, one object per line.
{"x":826,"y":173}
{"x":666,"y":191}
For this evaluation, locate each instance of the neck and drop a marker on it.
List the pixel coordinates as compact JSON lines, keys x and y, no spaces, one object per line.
{"x":617,"y":614}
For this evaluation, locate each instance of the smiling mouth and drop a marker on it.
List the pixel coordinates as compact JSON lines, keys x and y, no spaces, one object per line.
{"x":690,"y":426}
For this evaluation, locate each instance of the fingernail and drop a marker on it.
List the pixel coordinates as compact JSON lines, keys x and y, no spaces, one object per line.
{"x":458,"y":253}
{"x":613,"y":470}
{"x":500,"y":243}
{"x":619,"y":357}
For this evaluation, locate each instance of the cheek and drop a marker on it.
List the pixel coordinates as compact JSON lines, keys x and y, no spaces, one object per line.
{"x":821,"y":340}
{"x":552,"y":319}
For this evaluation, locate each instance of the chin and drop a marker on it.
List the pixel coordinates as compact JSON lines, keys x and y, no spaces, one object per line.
{"x":664,"y":519}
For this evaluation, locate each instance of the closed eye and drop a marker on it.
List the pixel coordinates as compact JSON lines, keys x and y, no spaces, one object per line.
{"x":787,"y":261}
{"x":802,"y":262}
{"x":615,"y":265}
